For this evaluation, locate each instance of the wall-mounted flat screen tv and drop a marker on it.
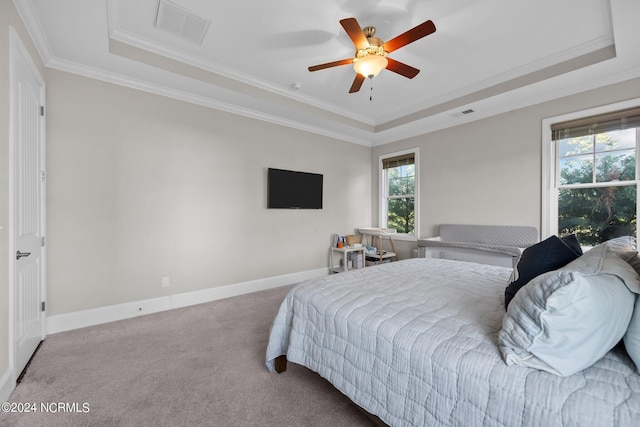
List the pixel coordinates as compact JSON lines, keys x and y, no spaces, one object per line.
{"x":293,"y":190}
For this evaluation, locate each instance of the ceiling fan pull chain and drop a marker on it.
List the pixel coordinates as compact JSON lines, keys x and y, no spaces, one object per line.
{"x":371,"y":89}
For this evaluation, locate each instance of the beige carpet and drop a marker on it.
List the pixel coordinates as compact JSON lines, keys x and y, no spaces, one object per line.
{"x":197,"y":366}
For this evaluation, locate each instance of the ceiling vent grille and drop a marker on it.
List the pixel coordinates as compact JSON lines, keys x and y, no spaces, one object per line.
{"x":177,"y":20}
{"x":462,"y":113}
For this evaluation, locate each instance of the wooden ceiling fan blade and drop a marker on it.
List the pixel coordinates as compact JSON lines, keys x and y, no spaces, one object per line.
{"x":331,"y":64}
{"x":403,"y":69}
{"x":416,"y":33}
{"x":357,"y":83}
{"x":354,"y":31}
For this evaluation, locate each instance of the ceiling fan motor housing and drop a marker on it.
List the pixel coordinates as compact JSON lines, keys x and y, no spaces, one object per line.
{"x":372,"y":50}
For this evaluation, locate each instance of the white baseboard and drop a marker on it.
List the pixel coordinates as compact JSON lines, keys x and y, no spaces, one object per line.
{"x":80,"y":319}
{"x":6,"y":385}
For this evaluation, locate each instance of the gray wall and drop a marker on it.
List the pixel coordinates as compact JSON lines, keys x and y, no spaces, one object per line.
{"x":141,"y":186}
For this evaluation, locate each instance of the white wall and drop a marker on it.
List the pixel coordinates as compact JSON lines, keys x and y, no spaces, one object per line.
{"x":489,"y":171}
{"x":140,"y":187}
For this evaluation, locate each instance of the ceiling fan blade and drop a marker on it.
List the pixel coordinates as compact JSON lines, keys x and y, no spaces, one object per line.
{"x":331,"y":64}
{"x":403,"y":69}
{"x":354,"y":31}
{"x":410,"y":36}
{"x":357,"y":83}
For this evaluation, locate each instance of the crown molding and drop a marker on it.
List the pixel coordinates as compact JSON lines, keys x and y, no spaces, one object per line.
{"x":489,"y":107}
{"x":216,"y":68}
{"x":34,"y":28}
{"x":169,"y":92}
{"x":445,"y":109}
{"x":594,"y":46}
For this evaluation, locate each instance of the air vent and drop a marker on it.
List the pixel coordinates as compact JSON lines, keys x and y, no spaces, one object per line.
{"x":462,"y":113}
{"x":177,"y":20}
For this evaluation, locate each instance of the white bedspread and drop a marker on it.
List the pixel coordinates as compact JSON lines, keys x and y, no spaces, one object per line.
{"x":415,"y":343}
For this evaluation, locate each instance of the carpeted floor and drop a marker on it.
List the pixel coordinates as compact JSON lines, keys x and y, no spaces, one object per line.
{"x":196,"y":366}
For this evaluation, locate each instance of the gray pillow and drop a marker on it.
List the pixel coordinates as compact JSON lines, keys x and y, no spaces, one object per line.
{"x":564,"y":321}
{"x":632,"y":337}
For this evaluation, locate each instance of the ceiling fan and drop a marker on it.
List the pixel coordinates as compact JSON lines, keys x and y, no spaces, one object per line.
{"x":371,"y":52}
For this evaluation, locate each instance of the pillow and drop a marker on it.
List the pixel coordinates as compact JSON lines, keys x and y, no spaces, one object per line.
{"x":550,"y":254}
{"x":621,"y":244}
{"x":572,"y":241}
{"x":564,"y":321}
{"x":632,"y":337}
{"x":625,"y":248}
{"x":632,"y":258}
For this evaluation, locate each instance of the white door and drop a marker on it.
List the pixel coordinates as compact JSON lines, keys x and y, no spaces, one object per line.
{"x":27,"y":183}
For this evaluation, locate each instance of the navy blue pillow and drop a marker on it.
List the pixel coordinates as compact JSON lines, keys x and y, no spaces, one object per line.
{"x":548,"y":255}
{"x":572,"y":241}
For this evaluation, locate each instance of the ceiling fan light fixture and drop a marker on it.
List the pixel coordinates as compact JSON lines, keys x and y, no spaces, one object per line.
{"x":370,"y":65}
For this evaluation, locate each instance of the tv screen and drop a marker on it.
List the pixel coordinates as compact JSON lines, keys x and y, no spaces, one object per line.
{"x":293,"y":190}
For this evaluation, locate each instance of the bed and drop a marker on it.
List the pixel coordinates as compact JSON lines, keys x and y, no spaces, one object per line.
{"x":415,"y":343}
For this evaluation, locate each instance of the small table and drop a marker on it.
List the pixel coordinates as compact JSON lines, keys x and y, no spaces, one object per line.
{"x":381,"y":233}
{"x":344,"y":252}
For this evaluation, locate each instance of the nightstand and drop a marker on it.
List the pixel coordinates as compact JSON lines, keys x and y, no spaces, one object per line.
{"x":349,"y":256}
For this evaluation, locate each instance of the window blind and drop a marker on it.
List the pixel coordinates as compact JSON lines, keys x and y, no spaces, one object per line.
{"x":403,"y":160}
{"x":617,"y":120}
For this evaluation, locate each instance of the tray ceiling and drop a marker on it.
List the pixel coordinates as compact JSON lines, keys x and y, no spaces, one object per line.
{"x":250,"y":57}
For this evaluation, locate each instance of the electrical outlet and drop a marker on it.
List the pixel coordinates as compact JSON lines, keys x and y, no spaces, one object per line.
{"x":165,"y":282}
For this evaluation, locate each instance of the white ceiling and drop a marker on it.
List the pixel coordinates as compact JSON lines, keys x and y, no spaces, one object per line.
{"x":490,"y":56}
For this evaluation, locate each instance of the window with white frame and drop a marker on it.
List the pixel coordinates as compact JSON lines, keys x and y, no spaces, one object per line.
{"x":593,"y":178}
{"x":398,"y":191}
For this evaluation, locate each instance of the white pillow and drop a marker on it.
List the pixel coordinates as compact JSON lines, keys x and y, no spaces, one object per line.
{"x":563,"y":321}
{"x":605,"y":259}
{"x":625,"y":247}
{"x":621,"y":244}
{"x":632,"y":337}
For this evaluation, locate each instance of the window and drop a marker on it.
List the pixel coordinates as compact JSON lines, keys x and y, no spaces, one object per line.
{"x":593,"y":188}
{"x":398,"y":191}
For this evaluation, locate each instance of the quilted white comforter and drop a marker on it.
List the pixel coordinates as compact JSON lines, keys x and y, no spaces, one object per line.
{"x":415,"y":343}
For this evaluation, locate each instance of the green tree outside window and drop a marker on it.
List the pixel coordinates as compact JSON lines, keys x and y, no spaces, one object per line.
{"x":401,"y":199}
{"x":597,"y":188}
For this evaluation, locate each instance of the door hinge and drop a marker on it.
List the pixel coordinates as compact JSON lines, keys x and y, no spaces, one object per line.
{"x":42,"y":110}
{"x":43,"y":306}
{"x":43,"y":176}
{"x":43,"y":241}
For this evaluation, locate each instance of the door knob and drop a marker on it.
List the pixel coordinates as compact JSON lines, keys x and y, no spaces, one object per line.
{"x":22,"y":254}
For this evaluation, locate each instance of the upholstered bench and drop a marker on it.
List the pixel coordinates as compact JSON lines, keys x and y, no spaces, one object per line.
{"x":487,"y":244}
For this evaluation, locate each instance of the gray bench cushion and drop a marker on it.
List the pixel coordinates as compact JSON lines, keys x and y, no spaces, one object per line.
{"x":505,"y":239}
